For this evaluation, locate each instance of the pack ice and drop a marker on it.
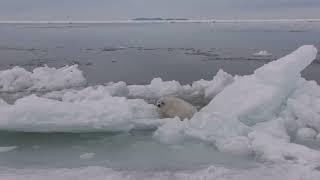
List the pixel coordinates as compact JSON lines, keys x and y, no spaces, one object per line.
{"x":259,"y":114}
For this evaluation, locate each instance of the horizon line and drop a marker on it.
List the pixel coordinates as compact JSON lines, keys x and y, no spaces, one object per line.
{"x":159,"y":21}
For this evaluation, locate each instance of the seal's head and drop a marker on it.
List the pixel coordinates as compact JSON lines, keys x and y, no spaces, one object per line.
{"x":160,"y":103}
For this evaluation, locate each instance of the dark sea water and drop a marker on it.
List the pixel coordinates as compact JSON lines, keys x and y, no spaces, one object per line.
{"x":137,"y":53}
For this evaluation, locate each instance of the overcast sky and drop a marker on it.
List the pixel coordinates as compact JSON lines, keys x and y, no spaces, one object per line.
{"x":127,"y":9}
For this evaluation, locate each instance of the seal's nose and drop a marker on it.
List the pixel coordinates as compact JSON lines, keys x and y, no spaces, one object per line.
{"x":158,"y":105}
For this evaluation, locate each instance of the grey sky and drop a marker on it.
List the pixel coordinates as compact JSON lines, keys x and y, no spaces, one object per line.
{"x":126,"y":9}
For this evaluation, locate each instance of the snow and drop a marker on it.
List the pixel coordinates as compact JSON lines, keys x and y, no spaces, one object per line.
{"x":262,"y":53}
{"x":7,"y":149}
{"x":41,"y":79}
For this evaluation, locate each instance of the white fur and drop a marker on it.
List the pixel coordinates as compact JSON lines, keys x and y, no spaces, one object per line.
{"x":172,"y":106}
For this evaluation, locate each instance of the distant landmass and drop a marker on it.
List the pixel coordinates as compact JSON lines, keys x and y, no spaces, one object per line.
{"x":160,"y":19}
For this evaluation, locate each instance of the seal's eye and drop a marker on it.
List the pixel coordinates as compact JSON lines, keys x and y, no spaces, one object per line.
{"x":159,"y":105}
{"x":162,"y":103}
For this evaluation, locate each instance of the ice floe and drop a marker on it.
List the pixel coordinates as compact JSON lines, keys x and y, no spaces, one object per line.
{"x":256,"y":113}
{"x":37,"y":114}
{"x":41,"y":78}
{"x":259,"y":114}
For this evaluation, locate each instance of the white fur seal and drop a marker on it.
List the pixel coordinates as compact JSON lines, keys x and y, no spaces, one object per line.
{"x":172,"y":106}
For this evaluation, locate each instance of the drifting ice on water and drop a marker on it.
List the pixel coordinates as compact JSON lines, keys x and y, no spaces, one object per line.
{"x":257,"y":114}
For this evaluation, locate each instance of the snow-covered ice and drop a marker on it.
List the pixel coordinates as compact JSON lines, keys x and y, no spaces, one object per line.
{"x":37,"y":114}
{"x":41,"y":79}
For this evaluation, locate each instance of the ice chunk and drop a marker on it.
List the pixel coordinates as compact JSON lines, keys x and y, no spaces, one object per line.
{"x":219,"y":82}
{"x":202,"y":90}
{"x":258,"y":97}
{"x":156,"y":89}
{"x":304,"y":105}
{"x":270,"y":142}
{"x":46,"y":78}
{"x":210,"y":128}
{"x":7,"y":149}
{"x":87,"y":155}
{"x":96,"y":93}
{"x":306,"y":133}
{"x":42,"y":78}
{"x":262,"y":53}
{"x":15,"y":79}
{"x":36,"y":114}
{"x":171,"y":132}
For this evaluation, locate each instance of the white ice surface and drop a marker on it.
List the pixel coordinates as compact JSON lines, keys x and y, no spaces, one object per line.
{"x":41,"y":78}
{"x":37,"y":114}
